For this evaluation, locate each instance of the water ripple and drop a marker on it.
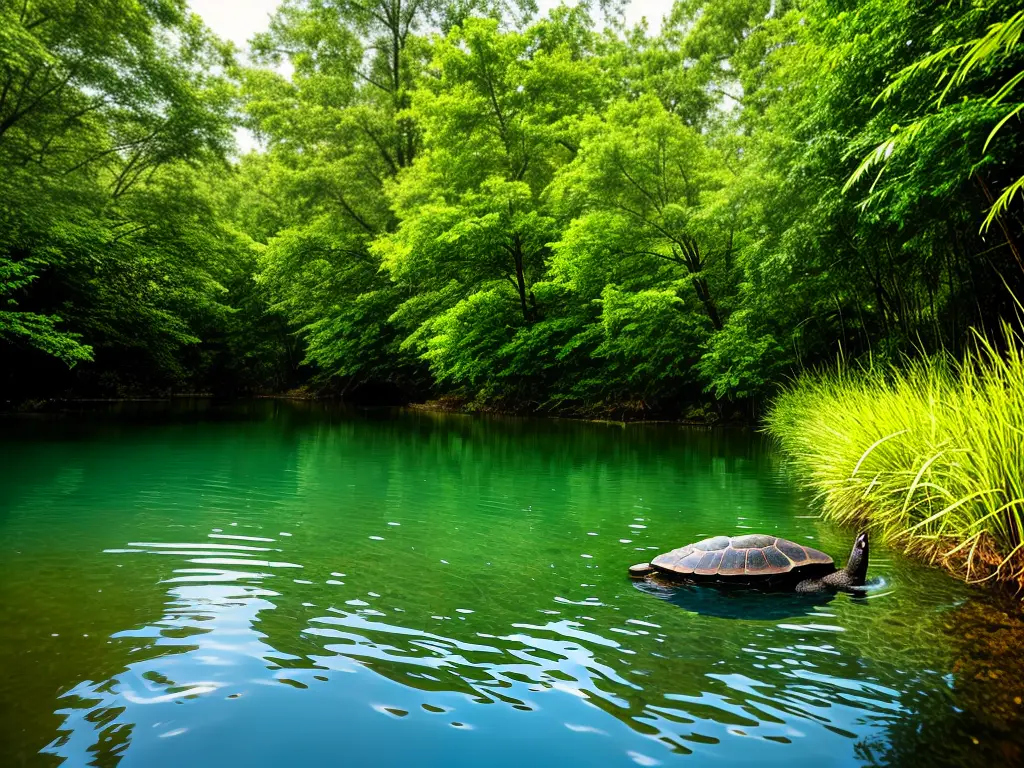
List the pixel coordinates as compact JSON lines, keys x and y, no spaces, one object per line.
{"x":403,"y":597}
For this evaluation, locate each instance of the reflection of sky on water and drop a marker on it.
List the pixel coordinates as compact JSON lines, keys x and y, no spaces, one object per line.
{"x":368,"y":688}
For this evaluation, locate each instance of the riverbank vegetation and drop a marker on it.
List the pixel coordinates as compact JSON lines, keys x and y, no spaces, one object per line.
{"x":521,"y":210}
{"x":928,"y":454}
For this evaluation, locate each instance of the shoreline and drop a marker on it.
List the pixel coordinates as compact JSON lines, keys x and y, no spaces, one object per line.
{"x":441,"y":405}
{"x":32,"y":406}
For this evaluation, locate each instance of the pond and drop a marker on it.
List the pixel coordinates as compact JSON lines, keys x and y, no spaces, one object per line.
{"x":276,"y":583}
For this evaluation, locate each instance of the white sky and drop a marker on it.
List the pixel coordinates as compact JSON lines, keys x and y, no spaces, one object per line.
{"x":238,"y":20}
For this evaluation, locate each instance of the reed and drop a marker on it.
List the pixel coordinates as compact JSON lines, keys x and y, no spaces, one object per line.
{"x":929,"y":454}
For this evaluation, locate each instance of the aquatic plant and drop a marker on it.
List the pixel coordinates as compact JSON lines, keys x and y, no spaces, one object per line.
{"x":928,"y":454}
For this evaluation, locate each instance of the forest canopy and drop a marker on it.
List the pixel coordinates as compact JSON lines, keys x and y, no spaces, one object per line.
{"x":535,"y":212}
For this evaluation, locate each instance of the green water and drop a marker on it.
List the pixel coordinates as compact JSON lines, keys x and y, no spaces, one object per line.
{"x":291,"y":584}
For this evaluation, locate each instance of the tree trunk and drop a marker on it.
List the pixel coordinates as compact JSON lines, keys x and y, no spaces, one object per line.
{"x":517,"y":255}
{"x":700,"y":285}
{"x":690,"y":257}
{"x":403,"y":161}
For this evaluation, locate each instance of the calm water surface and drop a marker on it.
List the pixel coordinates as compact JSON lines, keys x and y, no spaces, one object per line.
{"x":291,"y":584}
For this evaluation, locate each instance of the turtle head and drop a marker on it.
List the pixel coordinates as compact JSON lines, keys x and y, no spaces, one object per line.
{"x":857,"y":565}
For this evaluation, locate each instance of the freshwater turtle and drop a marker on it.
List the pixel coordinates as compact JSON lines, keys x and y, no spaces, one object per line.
{"x":758,"y":560}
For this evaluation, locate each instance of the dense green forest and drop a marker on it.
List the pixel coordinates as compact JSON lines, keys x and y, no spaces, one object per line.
{"x":525,"y":211}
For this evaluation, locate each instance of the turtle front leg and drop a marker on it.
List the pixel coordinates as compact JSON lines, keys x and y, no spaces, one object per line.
{"x":838,"y":580}
{"x":811,"y":585}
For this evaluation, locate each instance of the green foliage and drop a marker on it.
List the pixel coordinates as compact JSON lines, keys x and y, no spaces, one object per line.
{"x":650,"y":343}
{"x":110,"y":116}
{"x":532,"y":212}
{"x":336,"y":298}
{"x":977,"y":60}
{"x":465,"y":340}
{"x":745,"y":361}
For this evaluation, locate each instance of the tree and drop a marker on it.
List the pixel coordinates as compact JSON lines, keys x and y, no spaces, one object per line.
{"x":984,"y":75}
{"x":648,"y":168}
{"x":101,"y":109}
{"x":335,"y":135}
{"x":495,"y":123}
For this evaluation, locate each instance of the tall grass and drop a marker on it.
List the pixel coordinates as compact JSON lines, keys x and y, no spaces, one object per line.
{"x":929,"y":455}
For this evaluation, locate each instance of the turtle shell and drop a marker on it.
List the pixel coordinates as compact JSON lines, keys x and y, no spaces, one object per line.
{"x":742,"y":558}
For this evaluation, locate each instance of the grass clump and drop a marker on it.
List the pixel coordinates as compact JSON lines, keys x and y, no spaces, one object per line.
{"x":929,"y":455}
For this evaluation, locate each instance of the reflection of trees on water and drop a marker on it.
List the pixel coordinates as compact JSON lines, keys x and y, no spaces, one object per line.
{"x":979,"y":718}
